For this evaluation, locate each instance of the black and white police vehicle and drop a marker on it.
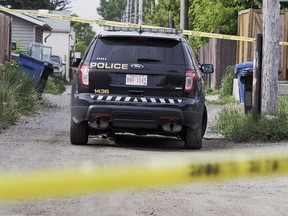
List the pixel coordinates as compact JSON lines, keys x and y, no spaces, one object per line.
{"x":141,"y":81}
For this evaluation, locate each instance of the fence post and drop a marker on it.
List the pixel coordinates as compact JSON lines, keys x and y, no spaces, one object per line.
{"x":256,"y":89}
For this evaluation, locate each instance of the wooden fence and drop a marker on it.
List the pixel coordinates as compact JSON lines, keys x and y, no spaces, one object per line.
{"x":5,"y":38}
{"x":221,"y":53}
{"x":250,"y":23}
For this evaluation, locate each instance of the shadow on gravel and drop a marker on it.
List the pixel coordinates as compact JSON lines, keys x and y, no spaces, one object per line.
{"x":154,"y":143}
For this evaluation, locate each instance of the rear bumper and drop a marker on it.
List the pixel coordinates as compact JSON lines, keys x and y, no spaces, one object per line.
{"x":137,"y":115}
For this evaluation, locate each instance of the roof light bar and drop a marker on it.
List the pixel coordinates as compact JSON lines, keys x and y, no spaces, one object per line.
{"x":152,"y":30}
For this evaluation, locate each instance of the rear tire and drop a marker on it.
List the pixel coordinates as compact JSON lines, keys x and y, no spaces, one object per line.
{"x":78,"y":133}
{"x":204,"y":121}
{"x":193,"y":138}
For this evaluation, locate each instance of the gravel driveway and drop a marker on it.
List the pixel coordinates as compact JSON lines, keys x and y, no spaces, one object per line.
{"x":42,"y":141}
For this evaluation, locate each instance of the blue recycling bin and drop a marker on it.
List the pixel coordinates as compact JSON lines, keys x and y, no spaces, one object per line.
{"x":36,"y":69}
{"x":240,"y":69}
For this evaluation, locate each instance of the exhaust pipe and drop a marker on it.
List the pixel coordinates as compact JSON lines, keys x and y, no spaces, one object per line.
{"x":172,"y":127}
{"x":98,"y":123}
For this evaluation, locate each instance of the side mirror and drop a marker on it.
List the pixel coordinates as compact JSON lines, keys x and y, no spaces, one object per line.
{"x":76,"y":62}
{"x":207,"y":68}
{"x":63,"y":63}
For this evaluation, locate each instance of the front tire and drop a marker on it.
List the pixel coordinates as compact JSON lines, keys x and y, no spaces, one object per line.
{"x":193,"y":138}
{"x":78,"y":133}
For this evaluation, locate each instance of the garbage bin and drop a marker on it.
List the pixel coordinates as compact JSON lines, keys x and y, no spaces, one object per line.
{"x":247,"y":80}
{"x":239,"y":70}
{"x":36,"y":69}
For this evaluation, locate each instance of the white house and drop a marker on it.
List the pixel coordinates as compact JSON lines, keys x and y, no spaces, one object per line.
{"x":26,"y":29}
{"x":61,"y":38}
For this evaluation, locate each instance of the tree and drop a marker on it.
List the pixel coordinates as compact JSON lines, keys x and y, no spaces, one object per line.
{"x":59,"y":5}
{"x":112,"y":9}
{"x":203,"y":15}
{"x":84,"y":35}
{"x":25,"y":4}
{"x":159,"y":14}
{"x":206,"y":15}
{"x":35,"y":4}
{"x":80,"y":47}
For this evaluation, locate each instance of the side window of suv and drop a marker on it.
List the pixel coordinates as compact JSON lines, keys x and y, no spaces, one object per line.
{"x":192,"y":60}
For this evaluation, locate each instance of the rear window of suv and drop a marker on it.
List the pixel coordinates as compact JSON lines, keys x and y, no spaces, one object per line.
{"x":139,"y":50}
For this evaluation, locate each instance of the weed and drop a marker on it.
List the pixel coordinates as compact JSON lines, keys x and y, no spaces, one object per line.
{"x":55,"y":85}
{"x":227,"y":82}
{"x":226,"y":90}
{"x":233,"y":124}
{"x":18,"y":95}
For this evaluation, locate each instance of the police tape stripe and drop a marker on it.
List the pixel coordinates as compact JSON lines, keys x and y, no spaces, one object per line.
{"x":219,"y":36}
{"x":120,"y":24}
{"x":89,"y":179}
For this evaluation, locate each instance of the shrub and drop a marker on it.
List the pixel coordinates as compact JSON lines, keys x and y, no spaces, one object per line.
{"x":18,"y":95}
{"x":55,"y":85}
{"x":226,"y":90}
{"x":227,"y":82}
{"x":233,"y":124}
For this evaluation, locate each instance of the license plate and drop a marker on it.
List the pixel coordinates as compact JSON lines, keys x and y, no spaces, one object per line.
{"x":137,"y":80}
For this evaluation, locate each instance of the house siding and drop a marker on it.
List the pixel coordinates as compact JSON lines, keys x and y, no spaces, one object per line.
{"x":39,"y":35}
{"x":23,"y":31}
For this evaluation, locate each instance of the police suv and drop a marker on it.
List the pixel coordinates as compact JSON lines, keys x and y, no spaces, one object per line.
{"x":141,"y":81}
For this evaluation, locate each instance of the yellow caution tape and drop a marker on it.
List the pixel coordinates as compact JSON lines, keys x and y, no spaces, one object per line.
{"x":219,"y":36}
{"x":121,"y":24}
{"x":89,"y":179}
{"x":283,"y":43}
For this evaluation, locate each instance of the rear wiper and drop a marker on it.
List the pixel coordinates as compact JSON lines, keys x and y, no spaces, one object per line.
{"x":148,"y":60}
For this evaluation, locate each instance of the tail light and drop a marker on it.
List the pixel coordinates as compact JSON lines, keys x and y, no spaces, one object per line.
{"x":191,"y":76}
{"x":83,"y":72}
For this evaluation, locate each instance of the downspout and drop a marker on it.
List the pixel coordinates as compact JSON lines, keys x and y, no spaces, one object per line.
{"x":45,"y":40}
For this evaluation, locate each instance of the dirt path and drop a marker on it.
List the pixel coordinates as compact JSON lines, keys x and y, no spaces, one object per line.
{"x":43,"y":141}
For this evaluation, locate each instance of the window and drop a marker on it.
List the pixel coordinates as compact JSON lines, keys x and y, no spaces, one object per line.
{"x":138,"y":49}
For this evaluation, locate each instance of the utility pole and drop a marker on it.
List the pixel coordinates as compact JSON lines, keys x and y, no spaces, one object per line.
{"x":183,"y":14}
{"x":270,"y":62}
{"x":130,"y":11}
{"x":140,"y":15}
{"x":136,"y":11}
{"x":127,"y":11}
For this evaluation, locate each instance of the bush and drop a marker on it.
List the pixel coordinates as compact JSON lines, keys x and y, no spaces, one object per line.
{"x":55,"y":85}
{"x":211,"y":91}
{"x":227,"y":82}
{"x":233,"y":124}
{"x":226,"y":90}
{"x":18,"y":95}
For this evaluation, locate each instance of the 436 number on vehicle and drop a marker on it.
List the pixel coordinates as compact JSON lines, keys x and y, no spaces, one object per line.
{"x":101,"y":91}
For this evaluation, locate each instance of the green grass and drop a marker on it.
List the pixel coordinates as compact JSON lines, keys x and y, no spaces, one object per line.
{"x":234,"y":125}
{"x":18,"y":95}
{"x":55,"y":85}
{"x":223,"y":100}
{"x":226,"y":89}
